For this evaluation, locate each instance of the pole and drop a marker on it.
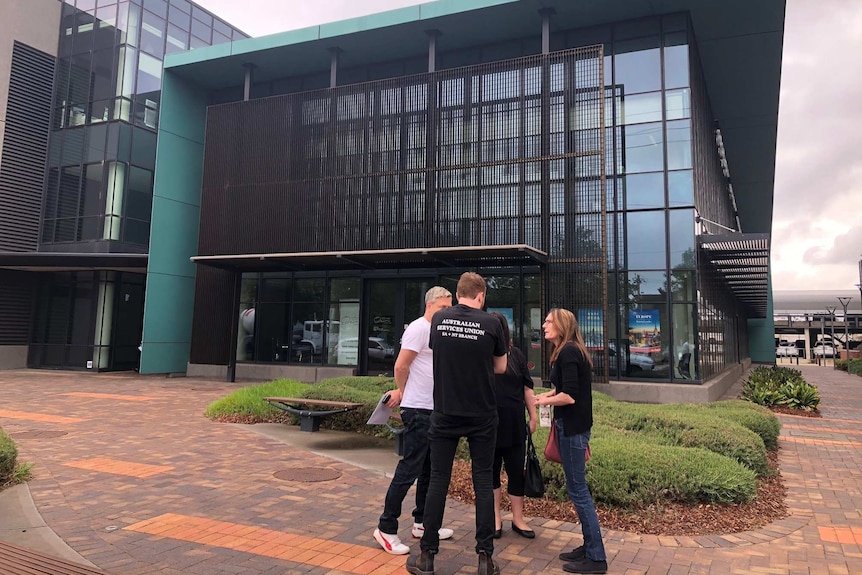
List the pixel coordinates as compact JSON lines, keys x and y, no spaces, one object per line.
{"x":822,"y":334}
{"x":831,"y":310}
{"x":845,"y":301}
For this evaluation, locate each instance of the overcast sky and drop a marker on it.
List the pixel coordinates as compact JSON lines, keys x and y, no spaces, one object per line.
{"x":817,"y":220}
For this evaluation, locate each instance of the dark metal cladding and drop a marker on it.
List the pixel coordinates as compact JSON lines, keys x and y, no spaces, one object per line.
{"x":511,"y":152}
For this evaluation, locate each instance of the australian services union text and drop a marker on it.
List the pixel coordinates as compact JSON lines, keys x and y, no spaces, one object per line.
{"x":461,"y":329}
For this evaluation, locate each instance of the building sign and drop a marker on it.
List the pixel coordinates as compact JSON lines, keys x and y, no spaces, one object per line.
{"x":644,"y":331}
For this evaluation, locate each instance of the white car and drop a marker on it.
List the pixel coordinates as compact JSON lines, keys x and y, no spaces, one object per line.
{"x":824,"y":350}
{"x":787,"y":351}
{"x":377,"y":348}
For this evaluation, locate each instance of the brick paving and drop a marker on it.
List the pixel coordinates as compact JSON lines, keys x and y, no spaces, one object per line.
{"x":142,"y":483}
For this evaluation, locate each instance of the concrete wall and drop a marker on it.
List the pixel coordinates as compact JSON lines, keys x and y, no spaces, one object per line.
{"x":643,"y":392}
{"x":13,"y":356}
{"x":32,"y":22}
{"x":269,"y":371}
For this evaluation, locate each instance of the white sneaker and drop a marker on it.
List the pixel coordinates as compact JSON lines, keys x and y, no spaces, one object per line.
{"x":419,"y":530}
{"x":390,"y":543}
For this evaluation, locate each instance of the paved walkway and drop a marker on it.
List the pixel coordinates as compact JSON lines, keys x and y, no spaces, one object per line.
{"x":134,"y":479}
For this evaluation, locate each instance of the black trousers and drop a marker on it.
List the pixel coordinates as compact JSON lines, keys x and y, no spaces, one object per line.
{"x":481,"y":434}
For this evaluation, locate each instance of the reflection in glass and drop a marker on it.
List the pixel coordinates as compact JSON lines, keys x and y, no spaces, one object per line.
{"x":680,"y":188}
{"x":641,"y":108}
{"x":681,"y":228}
{"x":638,"y":65}
{"x":645,"y":283}
{"x":153,"y":35}
{"x":676,"y":63}
{"x":682,"y":284}
{"x":343,"y":326}
{"x":644,"y":148}
{"x":645,"y":240}
{"x":679,"y":145}
{"x":678,"y":104}
{"x":685,"y":366}
{"x":644,"y":190}
{"x":245,"y":329}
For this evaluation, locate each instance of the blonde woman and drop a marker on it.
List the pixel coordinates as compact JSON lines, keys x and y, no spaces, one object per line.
{"x":571,"y":376}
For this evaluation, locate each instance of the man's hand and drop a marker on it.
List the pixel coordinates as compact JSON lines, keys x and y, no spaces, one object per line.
{"x":394,"y":398}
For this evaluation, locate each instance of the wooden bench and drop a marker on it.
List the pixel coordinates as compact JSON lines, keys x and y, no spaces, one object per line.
{"x":310,"y":411}
{"x":16,"y":560}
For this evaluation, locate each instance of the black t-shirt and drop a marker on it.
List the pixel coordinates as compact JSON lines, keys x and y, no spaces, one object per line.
{"x":464,"y":341}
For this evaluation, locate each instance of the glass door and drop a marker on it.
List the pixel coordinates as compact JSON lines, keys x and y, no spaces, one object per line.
{"x":391,"y":304}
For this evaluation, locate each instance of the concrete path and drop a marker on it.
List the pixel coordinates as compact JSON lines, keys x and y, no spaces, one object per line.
{"x":132,"y":478}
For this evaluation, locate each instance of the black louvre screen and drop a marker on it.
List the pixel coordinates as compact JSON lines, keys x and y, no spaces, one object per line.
{"x":510,"y":152}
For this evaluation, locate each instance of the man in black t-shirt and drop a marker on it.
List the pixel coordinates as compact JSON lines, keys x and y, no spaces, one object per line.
{"x":468,"y":349}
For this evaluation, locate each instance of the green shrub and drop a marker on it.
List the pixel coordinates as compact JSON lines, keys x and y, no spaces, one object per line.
{"x":8,"y":457}
{"x":841,"y":364}
{"x":642,"y":454}
{"x":751,"y":416}
{"x":800,"y":395}
{"x":627,"y":472}
{"x":854,"y":366}
{"x":771,"y":386}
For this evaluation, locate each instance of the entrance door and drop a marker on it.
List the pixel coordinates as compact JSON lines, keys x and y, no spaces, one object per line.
{"x":391,"y":304}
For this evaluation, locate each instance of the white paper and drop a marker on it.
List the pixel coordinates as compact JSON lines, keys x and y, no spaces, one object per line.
{"x":381,"y":413}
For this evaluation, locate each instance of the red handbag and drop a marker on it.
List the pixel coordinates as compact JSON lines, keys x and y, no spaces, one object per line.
{"x":552,"y":449}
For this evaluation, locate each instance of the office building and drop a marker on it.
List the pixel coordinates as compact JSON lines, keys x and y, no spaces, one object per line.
{"x":76,"y":173}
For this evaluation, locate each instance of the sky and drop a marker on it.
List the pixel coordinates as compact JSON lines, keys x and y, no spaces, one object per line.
{"x":817,"y":216}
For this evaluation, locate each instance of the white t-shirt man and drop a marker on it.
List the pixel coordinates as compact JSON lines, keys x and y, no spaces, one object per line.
{"x":419,"y":392}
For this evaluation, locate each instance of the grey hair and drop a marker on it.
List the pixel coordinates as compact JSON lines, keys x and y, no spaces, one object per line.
{"x":436,"y":292}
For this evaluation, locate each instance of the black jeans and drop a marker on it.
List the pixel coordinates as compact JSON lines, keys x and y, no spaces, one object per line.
{"x":481,"y":434}
{"x":415,"y":465}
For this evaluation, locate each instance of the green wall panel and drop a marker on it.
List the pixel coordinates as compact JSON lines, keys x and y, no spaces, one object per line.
{"x":182,"y":181}
{"x":174,"y":229}
{"x":761,"y":333}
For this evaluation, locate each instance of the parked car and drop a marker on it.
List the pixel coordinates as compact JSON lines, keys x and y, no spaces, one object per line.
{"x":824,"y":350}
{"x":636,"y":361}
{"x":377,"y":348}
{"x":787,"y":351}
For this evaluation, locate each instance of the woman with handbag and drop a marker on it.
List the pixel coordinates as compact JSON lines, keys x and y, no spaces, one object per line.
{"x":514,"y":391}
{"x":571,"y":376}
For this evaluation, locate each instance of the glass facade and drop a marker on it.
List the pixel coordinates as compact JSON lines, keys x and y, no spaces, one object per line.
{"x":482,"y":159}
{"x":102,"y":150}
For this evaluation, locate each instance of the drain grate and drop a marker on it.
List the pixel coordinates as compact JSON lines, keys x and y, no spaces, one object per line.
{"x":38,"y":434}
{"x":307,"y":474}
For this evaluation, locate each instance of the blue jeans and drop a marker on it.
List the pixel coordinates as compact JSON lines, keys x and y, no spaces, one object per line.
{"x":573,"y":449}
{"x":415,"y":465}
{"x":481,"y":434}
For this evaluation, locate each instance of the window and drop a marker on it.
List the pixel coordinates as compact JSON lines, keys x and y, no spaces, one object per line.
{"x":645,"y":240}
{"x":643,"y":150}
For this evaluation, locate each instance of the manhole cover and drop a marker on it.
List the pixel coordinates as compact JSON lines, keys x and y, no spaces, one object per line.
{"x":307,"y":474}
{"x":36,"y":434}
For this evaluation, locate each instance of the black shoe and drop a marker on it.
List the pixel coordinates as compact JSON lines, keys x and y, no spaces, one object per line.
{"x":528,"y":533}
{"x":586,"y":565}
{"x":498,"y":533}
{"x":487,"y":565}
{"x":422,"y":564}
{"x":575,"y":554}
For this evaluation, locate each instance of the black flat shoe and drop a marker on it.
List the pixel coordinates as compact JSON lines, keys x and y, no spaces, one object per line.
{"x":498,"y":533}
{"x":528,"y":533}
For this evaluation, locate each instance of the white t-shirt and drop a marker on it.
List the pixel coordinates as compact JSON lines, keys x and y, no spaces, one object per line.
{"x":419,"y":392}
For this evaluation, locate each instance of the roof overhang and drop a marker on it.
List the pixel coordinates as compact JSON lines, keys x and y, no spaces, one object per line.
{"x":742,"y":262}
{"x":70,"y":262}
{"x":740,"y":44}
{"x":459,"y":256}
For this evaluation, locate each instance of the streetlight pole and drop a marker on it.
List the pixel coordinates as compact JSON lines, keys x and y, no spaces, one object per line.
{"x":831,"y":310}
{"x":845,"y":301}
